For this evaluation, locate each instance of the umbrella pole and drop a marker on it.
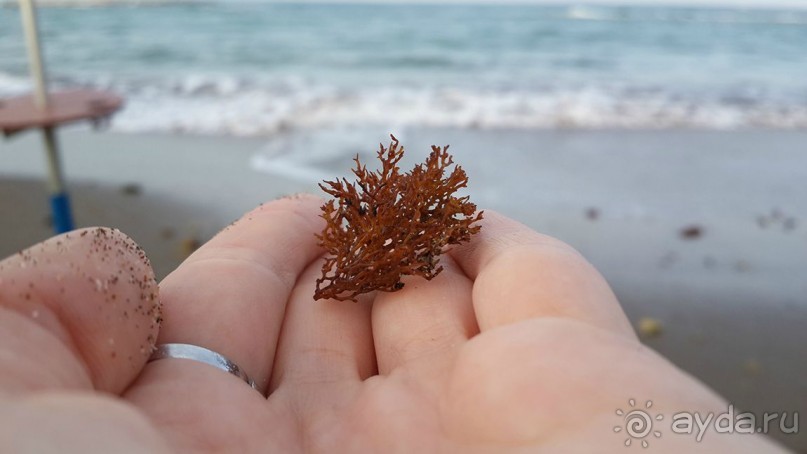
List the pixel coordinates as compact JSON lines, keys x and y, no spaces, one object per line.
{"x":59,"y":201}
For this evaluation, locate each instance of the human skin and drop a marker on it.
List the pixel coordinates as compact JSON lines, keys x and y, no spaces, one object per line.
{"x":518,"y":345}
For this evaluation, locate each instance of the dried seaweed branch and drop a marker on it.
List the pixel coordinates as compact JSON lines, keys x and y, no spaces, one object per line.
{"x":388,"y":224}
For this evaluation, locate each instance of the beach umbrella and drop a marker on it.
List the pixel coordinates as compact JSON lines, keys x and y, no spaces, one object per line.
{"x":46,"y":111}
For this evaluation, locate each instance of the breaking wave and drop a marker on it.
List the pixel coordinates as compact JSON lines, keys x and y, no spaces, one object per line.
{"x":241,"y":107}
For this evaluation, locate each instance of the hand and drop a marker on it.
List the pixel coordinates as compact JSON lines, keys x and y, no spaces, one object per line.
{"x":518,"y":345}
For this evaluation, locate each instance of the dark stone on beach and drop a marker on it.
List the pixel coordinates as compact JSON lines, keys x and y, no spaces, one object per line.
{"x":592,"y":214}
{"x":131,"y":189}
{"x":692,"y":232}
{"x":168,"y":233}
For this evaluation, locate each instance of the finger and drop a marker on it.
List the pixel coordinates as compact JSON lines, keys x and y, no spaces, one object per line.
{"x":520,"y":274}
{"x":423,"y":325}
{"x":323,"y":343}
{"x":75,"y":423}
{"x":77,"y":311}
{"x":230,"y":295}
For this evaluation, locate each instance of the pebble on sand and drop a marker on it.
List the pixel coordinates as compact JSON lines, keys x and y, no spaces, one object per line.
{"x":691,"y":232}
{"x":131,"y":189}
{"x":649,"y":327}
{"x":188,"y":245}
{"x":752,"y":366}
{"x":168,"y":233}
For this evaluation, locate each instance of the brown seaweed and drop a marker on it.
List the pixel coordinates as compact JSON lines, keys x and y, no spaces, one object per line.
{"x":389,"y":224}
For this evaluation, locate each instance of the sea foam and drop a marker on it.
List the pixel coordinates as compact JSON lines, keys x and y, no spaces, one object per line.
{"x":226,"y":105}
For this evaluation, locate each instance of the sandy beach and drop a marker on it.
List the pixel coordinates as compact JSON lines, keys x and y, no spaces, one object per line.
{"x":701,"y":234}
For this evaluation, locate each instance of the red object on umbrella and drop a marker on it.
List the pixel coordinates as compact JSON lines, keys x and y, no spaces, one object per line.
{"x":21,"y":113}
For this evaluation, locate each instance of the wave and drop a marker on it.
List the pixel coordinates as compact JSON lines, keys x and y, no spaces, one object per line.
{"x":693,"y":15}
{"x":592,"y":13}
{"x":11,"y":85}
{"x":229,"y":105}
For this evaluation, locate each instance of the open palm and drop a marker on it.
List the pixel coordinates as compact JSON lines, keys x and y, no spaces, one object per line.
{"x":518,"y":345}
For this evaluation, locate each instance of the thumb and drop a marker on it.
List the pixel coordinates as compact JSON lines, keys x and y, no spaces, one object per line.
{"x":80,"y":310}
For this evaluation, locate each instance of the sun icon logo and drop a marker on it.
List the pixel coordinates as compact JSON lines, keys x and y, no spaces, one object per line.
{"x":638,"y":423}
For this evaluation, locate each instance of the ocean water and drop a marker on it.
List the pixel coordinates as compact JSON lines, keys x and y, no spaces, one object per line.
{"x":261,"y":69}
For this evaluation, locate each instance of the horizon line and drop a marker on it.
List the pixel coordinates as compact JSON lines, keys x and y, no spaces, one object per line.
{"x":720,"y":4}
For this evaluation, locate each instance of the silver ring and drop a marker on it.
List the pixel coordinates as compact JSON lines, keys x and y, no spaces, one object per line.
{"x":202,"y":355}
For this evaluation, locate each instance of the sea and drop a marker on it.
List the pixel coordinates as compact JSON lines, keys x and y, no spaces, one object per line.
{"x":263,"y":69}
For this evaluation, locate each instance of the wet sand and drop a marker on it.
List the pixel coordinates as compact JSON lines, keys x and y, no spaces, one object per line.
{"x":703,"y":235}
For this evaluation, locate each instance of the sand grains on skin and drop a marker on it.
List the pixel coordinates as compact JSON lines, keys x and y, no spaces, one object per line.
{"x":93,"y":300}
